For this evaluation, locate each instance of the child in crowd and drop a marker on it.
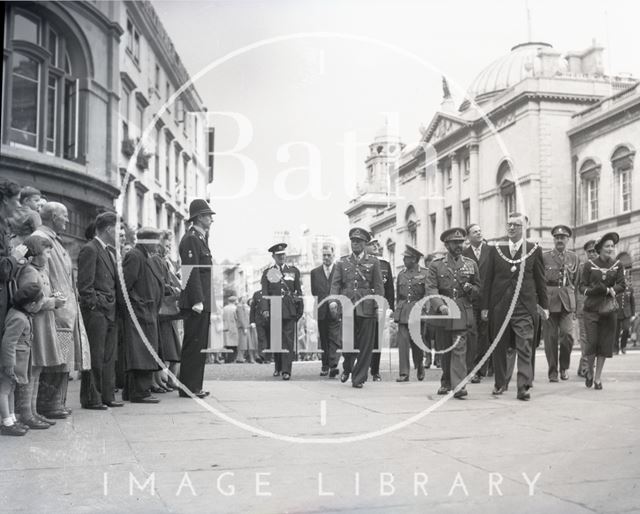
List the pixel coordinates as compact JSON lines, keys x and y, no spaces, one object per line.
{"x":15,"y":353}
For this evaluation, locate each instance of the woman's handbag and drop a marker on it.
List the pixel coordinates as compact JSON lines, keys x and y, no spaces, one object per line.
{"x":169,"y":307}
{"x":608,"y":305}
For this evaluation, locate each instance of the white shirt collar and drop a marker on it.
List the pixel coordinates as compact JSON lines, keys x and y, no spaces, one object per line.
{"x":102,"y":243}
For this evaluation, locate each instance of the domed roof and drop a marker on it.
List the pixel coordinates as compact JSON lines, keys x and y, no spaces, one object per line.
{"x":520,"y":63}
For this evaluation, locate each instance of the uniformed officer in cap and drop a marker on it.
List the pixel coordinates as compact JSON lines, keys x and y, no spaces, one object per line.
{"x":195,"y":299}
{"x":411,"y":287}
{"x":374,"y":249}
{"x":456,"y":277}
{"x":358,"y":275}
{"x":283,"y":280}
{"x":561,"y":273}
{"x":590,"y":251}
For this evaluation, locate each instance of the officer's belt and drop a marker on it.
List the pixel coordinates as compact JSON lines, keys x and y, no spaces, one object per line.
{"x":554,"y":283}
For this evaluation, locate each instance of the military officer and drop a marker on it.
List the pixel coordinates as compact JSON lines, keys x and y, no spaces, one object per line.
{"x":411,"y":286}
{"x":355,"y":276}
{"x":374,"y":249}
{"x":456,"y":277}
{"x":283,"y":280}
{"x":591,"y":254}
{"x":561,"y":272}
{"x":196,"y":300}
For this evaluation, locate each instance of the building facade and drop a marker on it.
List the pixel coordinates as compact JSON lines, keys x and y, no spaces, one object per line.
{"x":82,"y":83}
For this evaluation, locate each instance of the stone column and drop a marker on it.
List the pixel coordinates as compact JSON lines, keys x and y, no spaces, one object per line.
{"x":438,"y":204}
{"x":455,"y":190}
{"x":474,"y":185}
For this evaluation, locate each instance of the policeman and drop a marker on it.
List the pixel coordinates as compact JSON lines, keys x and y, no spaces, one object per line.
{"x":455,"y":277}
{"x":411,"y":286}
{"x":374,"y":248}
{"x":283,"y":280}
{"x":196,"y":298}
{"x":561,"y":273}
{"x":355,"y":276}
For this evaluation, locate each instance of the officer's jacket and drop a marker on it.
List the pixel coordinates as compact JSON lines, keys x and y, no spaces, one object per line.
{"x":626,"y":302}
{"x":285,"y":283}
{"x":447,"y":276}
{"x":387,"y":282}
{"x":561,"y":275}
{"x":356,"y":279}
{"x":194,"y":251}
{"x":597,"y":276}
{"x":411,"y":287}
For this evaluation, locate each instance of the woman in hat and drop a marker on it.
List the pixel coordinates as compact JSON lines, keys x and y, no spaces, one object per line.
{"x":601,"y":280}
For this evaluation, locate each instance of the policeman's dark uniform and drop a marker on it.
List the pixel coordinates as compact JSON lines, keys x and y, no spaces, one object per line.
{"x":356,"y":277}
{"x":561,"y":272}
{"x":194,"y":251}
{"x":411,"y":286}
{"x":458,"y":279}
{"x":389,"y":294}
{"x":284,"y":282}
{"x":262,"y":327}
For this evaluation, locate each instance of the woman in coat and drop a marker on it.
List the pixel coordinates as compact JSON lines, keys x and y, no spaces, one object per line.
{"x":601,"y":280}
{"x":144,"y":290}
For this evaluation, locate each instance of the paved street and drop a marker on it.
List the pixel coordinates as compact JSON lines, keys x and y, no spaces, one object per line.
{"x":579,"y":448}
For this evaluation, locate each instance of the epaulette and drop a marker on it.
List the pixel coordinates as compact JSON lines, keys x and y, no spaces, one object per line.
{"x":439,"y":258}
{"x":465,"y":258}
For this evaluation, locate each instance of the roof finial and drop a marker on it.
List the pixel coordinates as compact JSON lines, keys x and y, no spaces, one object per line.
{"x":446,"y":93}
{"x":526,"y":4}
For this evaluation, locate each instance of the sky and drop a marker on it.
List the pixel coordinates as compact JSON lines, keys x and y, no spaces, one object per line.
{"x":300,"y":106}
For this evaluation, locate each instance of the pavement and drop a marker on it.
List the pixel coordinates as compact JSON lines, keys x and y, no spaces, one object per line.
{"x":262,"y":445}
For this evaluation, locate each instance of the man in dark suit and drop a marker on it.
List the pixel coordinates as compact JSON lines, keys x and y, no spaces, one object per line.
{"x":283,"y":280}
{"x":356,"y":276}
{"x":561,"y":274}
{"x":374,"y":248}
{"x":504,"y":268}
{"x":328,"y":319}
{"x":478,"y":341}
{"x":196,"y":300}
{"x":97,"y":292}
{"x":262,"y":328}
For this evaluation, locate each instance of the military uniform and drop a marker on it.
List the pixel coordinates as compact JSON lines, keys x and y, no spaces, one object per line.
{"x":284,"y":282}
{"x":194,"y":251}
{"x":626,"y":311}
{"x":411,"y":288}
{"x":356,"y":277}
{"x":389,"y":294}
{"x":458,"y":279}
{"x":560,"y":271}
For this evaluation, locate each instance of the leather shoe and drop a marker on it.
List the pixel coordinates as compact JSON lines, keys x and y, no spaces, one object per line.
{"x":377,"y":377}
{"x":114,"y":403}
{"x":588,"y":380}
{"x":476,"y":379}
{"x":344,"y":377}
{"x":597,"y":385}
{"x":460,"y":394}
{"x":202,"y":394}
{"x":44,"y":420}
{"x":97,"y":406}
{"x":276,"y":373}
{"x":421,"y":374}
{"x":324,"y":372}
{"x":286,"y":376}
{"x":56,"y":414}
{"x":334,"y":372}
{"x":148,"y":399}
{"x":35,"y":424}
{"x":524,"y":396}
{"x":497,"y":391}
{"x":564,"y":375}
{"x":403,"y":378}
{"x":443,"y":390}
{"x":357,"y":386}
{"x":14,"y":429}
{"x":553,"y":379}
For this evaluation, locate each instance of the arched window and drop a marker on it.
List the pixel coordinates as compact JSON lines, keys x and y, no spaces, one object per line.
{"x":507,"y":189}
{"x":43,"y":62}
{"x":590,"y":180}
{"x":622,"y":165}
{"x":411,"y":219}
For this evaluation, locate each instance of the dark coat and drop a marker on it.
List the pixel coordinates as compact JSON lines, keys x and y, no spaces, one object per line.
{"x":255,"y":312}
{"x":357,"y":279}
{"x":145,"y":289}
{"x":500,"y":283}
{"x":320,"y":288}
{"x":387,"y":281}
{"x":194,"y":251}
{"x":97,"y":279}
{"x":596,"y":277}
{"x":285,"y":284}
{"x":8,"y":268}
{"x":626,"y":303}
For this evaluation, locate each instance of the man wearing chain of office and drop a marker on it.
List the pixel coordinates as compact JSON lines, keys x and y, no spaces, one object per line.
{"x":506,"y":262}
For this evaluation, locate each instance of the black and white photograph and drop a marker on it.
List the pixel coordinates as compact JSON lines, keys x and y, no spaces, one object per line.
{"x":320,"y":256}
